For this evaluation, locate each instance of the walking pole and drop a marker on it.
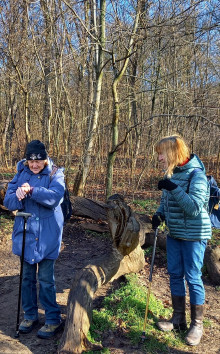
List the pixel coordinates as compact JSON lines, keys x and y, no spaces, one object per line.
{"x":25,"y":216}
{"x":143,"y":337}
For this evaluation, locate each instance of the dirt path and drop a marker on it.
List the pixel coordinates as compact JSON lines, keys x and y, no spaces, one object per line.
{"x":79,"y":248}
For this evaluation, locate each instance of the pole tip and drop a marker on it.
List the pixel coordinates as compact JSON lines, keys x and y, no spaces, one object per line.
{"x":16,"y":334}
{"x":143,"y":337}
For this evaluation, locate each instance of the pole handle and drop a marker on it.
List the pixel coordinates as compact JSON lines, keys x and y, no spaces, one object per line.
{"x":23,"y":214}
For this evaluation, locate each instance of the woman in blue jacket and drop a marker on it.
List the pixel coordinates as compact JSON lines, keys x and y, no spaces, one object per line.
{"x":183,"y":207}
{"x":33,"y":190}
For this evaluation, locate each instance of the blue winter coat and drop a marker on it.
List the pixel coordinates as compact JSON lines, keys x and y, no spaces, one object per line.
{"x":185,"y":207}
{"x":45,"y":226}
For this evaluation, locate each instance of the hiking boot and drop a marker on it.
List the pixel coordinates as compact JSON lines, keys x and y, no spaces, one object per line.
{"x":49,"y":330}
{"x":178,"y":319}
{"x":26,"y":326}
{"x":196,"y":327}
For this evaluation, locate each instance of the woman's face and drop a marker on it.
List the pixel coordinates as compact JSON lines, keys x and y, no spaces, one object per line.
{"x":162,"y":159}
{"x":36,"y":166}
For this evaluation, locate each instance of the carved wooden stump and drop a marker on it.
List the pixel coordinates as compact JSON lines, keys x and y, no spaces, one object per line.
{"x":126,"y":256}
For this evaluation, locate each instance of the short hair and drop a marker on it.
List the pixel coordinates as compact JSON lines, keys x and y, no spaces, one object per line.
{"x":176,"y":150}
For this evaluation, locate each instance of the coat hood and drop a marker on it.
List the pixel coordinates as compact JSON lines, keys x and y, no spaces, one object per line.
{"x":193,"y":163}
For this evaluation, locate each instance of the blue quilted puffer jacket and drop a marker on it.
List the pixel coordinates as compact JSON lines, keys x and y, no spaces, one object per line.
{"x":185,"y":207}
{"x":45,"y":226}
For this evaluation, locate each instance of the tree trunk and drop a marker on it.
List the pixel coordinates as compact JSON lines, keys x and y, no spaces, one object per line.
{"x":81,"y":177}
{"x":116,"y":108}
{"x":7,"y":133}
{"x":124,"y":257}
{"x":84,"y":286}
{"x":89,"y":208}
{"x":47,"y":111}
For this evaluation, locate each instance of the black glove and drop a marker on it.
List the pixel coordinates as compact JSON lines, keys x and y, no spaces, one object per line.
{"x":156,"y":220}
{"x":166,"y":184}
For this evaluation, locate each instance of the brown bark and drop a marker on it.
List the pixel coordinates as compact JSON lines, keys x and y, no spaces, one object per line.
{"x":126,"y":256}
{"x":212,"y":262}
{"x":161,"y":239}
{"x":3,"y":188}
{"x":84,"y":286}
{"x":89,"y":208}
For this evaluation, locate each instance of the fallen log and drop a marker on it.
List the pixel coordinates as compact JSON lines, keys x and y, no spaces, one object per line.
{"x":212,"y":263}
{"x":161,"y":239}
{"x":126,"y":256}
{"x":88,"y":208}
{"x":85,"y":284}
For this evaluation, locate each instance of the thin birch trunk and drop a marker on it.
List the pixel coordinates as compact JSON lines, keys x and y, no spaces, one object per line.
{"x":82,"y":175}
{"x":116,"y":111}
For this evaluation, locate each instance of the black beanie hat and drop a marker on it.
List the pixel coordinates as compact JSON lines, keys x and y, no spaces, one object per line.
{"x":36,"y":150}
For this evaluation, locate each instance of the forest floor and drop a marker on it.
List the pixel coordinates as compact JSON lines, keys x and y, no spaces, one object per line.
{"x":78,"y":249}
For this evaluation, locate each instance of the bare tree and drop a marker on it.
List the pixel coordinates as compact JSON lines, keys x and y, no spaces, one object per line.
{"x":66,"y":63}
{"x":99,"y":36}
{"x":118,"y":75}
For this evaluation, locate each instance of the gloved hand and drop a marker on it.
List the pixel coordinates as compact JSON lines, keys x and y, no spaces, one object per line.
{"x":166,"y":184}
{"x":156,"y":220}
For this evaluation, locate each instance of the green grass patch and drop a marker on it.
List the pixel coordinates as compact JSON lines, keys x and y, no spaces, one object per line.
{"x":102,"y":320}
{"x":147,"y":206}
{"x":125,"y":309}
{"x":215,"y":240}
{"x":103,"y":351}
{"x":207,"y":322}
{"x":7,"y":175}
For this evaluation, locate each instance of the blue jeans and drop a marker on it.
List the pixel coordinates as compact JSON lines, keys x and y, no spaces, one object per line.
{"x":47,"y":291}
{"x":185,"y":260}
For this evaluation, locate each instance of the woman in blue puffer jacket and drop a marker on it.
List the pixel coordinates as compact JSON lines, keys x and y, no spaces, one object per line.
{"x":183,"y":207}
{"x":34,"y":191}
